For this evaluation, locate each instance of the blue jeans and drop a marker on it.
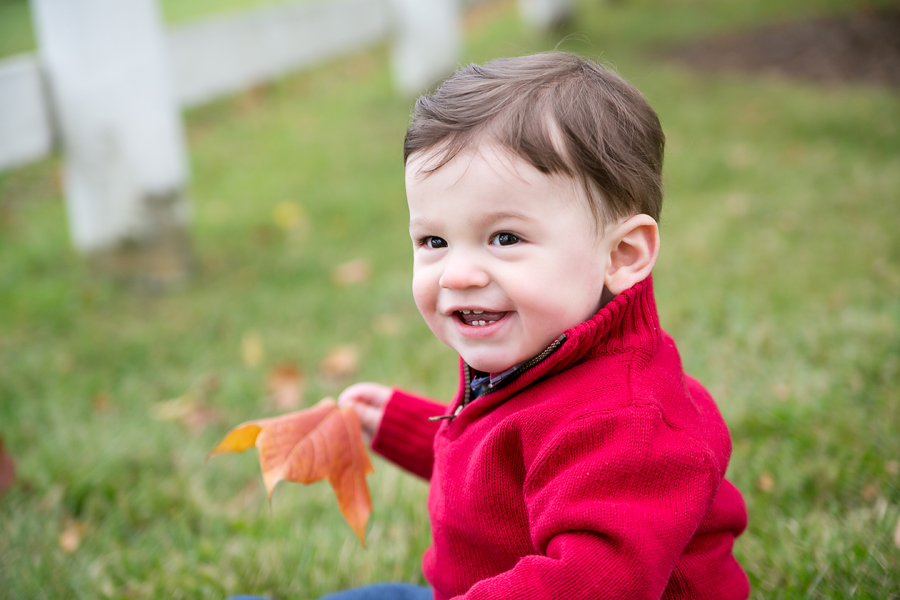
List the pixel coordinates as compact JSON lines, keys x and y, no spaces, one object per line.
{"x":378,"y":591}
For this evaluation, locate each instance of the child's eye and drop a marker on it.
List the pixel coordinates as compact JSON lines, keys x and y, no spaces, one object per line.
{"x":434,"y":242}
{"x":504,"y":239}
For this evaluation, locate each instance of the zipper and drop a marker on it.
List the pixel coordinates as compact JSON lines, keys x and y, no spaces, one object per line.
{"x":467,"y":390}
{"x":506,"y":380}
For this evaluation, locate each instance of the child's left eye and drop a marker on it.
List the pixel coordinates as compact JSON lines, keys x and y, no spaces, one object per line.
{"x":504,"y":239}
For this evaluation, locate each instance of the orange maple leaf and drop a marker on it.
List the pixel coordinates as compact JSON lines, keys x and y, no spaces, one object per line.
{"x":306,"y":446}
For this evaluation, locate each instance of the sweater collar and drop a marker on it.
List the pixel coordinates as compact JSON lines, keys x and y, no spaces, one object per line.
{"x":628,"y":321}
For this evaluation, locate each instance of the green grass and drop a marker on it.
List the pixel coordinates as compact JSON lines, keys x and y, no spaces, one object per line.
{"x":16,"y":33}
{"x":779,"y":278}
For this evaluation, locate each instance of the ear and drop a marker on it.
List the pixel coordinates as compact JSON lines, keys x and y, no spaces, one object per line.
{"x":633,"y":248}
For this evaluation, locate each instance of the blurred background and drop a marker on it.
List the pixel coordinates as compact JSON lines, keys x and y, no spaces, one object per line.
{"x":202,"y":222}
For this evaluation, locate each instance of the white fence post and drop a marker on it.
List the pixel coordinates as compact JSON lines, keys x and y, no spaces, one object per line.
{"x":427,"y":42}
{"x":125,"y":163}
{"x":545,"y":13}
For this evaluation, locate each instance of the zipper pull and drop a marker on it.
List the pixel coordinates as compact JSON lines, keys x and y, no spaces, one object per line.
{"x":442,"y":417}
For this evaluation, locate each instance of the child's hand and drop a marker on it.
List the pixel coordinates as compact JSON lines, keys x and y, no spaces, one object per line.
{"x":368,"y":400}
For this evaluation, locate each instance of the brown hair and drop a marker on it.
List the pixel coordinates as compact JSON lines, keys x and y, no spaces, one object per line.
{"x":562,"y":114}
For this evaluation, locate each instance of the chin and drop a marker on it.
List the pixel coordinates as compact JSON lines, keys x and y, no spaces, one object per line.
{"x":488,"y":365}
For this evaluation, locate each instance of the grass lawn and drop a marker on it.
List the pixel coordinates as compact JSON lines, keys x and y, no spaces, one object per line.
{"x":779,"y":278}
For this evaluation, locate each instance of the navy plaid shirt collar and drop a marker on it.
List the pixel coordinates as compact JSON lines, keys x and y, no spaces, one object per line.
{"x":482,"y":383}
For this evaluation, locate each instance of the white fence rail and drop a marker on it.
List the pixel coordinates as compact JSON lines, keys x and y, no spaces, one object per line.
{"x":224,"y":54}
{"x":26,"y":134}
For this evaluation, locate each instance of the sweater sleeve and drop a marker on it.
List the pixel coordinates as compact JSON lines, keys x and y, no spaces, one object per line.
{"x":406,"y":436}
{"x":612,"y":498}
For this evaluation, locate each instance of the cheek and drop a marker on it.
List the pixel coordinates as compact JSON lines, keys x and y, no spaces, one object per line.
{"x":575,"y":296}
{"x":424,"y":292}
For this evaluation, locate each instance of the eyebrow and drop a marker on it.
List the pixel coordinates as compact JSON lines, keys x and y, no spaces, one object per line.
{"x":420,"y":222}
{"x":482,"y":218}
{"x":504,"y":214}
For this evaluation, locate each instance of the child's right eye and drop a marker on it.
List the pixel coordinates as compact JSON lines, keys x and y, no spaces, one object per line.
{"x":434,"y":242}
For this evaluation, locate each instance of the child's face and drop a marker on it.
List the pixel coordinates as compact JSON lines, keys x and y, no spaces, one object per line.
{"x":505,"y":257}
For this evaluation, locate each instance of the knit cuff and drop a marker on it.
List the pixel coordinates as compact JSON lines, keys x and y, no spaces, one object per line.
{"x":406,"y":436}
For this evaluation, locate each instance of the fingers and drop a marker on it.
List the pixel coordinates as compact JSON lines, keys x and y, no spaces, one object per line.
{"x":368,"y":401}
{"x":369,"y":420}
{"x":365,"y":393}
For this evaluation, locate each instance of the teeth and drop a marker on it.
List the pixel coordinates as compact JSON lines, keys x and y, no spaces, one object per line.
{"x":476,"y":322}
{"x":480,"y":323}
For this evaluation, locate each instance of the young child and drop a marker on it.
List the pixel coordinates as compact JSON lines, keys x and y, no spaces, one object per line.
{"x":577,"y":459}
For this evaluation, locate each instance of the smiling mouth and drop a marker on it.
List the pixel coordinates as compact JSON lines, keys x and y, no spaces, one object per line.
{"x":479,"y":318}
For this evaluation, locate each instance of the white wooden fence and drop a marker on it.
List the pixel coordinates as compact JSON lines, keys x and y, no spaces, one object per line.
{"x":108,"y":80}
{"x":220,"y":55}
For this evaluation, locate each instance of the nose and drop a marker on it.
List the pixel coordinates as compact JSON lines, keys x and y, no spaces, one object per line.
{"x":462,"y":271}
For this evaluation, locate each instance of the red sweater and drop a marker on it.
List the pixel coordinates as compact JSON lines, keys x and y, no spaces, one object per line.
{"x":598,"y":472}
